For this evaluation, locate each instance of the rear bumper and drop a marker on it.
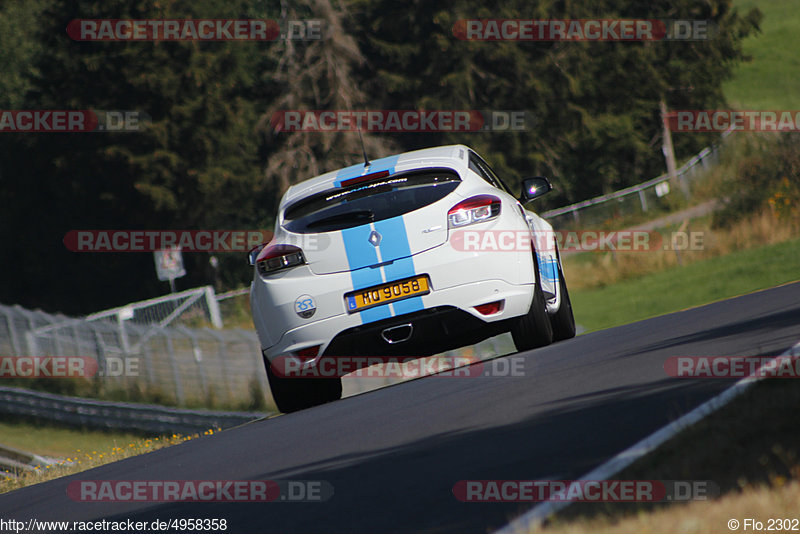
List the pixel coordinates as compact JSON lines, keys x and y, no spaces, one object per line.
{"x":447,"y":320}
{"x":429,"y":332}
{"x":458,"y":279}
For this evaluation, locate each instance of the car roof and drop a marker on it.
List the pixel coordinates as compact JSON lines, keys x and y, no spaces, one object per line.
{"x":454,"y":156}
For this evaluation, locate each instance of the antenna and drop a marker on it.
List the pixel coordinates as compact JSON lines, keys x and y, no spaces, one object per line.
{"x":363,"y":150}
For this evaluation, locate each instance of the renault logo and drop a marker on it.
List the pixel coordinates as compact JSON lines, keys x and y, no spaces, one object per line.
{"x":375,"y":238}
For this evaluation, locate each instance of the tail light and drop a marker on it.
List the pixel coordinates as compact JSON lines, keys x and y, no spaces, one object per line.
{"x":278,"y":257}
{"x":308,"y":353}
{"x":491,"y":308}
{"x":366,"y":178}
{"x":473,"y":210}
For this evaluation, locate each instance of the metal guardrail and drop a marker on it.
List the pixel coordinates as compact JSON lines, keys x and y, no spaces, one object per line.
{"x":14,"y":462}
{"x":91,"y":413}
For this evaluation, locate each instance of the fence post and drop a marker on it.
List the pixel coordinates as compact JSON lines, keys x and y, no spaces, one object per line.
{"x":76,"y":337}
{"x":15,"y":345}
{"x":198,"y":359}
{"x":643,"y":200}
{"x":176,"y":375}
{"x":57,"y":344}
{"x":213,"y":307}
{"x":100,"y":350}
{"x":223,"y":363}
{"x":148,"y":363}
{"x":30,"y":337}
{"x":123,"y":334}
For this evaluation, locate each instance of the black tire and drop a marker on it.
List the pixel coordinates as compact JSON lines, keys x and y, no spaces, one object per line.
{"x":533,"y":329}
{"x":293,"y":394}
{"x":563,"y":320}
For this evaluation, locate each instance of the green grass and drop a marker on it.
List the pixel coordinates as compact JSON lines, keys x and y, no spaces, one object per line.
{"x":691,"y":285}
{"x":749,"y":446}
{"x":57,"y":441}
{"x":770,"y":80}
{"x":76,"y":450}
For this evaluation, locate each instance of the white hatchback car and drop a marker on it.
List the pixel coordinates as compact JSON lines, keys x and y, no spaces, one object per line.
{"x":408,"y":256}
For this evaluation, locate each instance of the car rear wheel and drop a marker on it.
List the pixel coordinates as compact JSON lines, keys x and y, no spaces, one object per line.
{"x":298,"y":393}
{"x":533,"y":329}
{"x":563,"y":320}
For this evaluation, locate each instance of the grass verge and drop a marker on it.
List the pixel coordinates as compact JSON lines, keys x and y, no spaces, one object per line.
{"x":681,"y":287}
{"x":759,"y":503}
{"x":77,"y":450}
{"x":58,"y":441}
{"x":749,"y":448}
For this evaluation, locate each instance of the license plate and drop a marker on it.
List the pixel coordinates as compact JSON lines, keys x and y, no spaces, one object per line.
{"x":384,"y":293}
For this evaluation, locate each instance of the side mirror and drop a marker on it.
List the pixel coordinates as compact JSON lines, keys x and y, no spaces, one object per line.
{"x":254,"y":252}
{"x":534,"y":188}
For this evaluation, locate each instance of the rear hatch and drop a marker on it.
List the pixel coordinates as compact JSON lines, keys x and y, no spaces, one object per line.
{"x":372,"y":220}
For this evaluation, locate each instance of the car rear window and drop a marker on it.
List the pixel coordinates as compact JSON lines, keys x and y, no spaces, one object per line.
{"x":384,"y":198}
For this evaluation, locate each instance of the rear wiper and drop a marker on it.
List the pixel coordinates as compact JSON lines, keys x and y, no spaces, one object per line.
{"x":350,"y":216}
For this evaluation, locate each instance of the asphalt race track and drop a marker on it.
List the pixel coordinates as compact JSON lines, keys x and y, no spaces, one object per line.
{"x":393,"y":455}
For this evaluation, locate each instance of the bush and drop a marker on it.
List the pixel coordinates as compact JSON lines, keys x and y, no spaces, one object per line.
{"x":767,"y":176}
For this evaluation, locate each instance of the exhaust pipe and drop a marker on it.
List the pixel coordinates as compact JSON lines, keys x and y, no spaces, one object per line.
{"x":397,"y":334}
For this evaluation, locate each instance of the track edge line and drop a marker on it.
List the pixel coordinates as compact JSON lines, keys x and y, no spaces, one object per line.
{"x":536,"y":516}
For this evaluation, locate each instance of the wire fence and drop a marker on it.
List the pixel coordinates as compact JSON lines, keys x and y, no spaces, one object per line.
{"x":176,"y":365}
{"x":192,"y":306}
{"x":638,"y":199}
{"x":170,"y":365}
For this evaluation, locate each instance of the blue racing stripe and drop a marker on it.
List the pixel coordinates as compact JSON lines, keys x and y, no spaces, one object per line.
{"x":395,"y":246}
{"x":360,"y":252}
{"x":375,"y":314}
{"x":360,"y":255}
{"x":548,"y":268}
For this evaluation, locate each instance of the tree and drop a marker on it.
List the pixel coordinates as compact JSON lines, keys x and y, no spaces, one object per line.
{"x":195,"y":166}
{"x":597,"y":123}
{"x":316,"y":75}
